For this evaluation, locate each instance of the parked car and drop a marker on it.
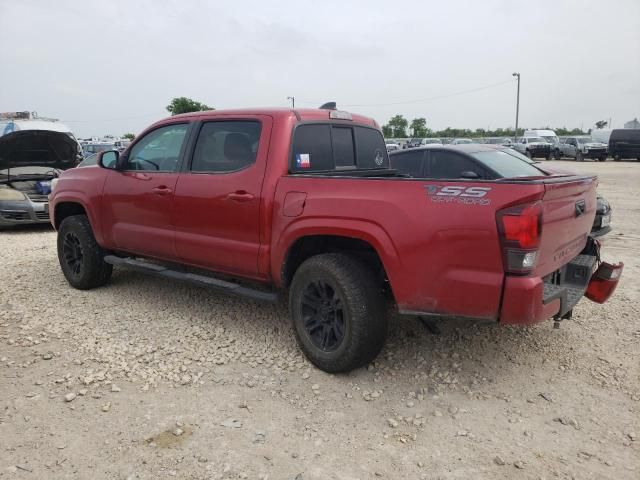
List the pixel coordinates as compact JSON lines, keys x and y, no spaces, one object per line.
{"x":430,"y":141}
{"x":624,"y":143}
{"x":91,"y":148}
{"x":392,"y":146}
{"x":547,"y":135}
{"x":504,"y":141}
{"x":121,"y":145}
{"x":533,"y":147}
{"x":413,"y":164}
{"x":461,"y":141}
{"x":581,"y":148}
{"x":412,"y":143}
{"x":29,"y":161}
{"x":305,"y":201}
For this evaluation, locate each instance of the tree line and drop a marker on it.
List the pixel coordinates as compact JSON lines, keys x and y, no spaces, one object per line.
{"x":400,"y":127}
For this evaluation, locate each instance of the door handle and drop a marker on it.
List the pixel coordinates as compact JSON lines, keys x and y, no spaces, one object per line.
{"x":240,"y":196}
{"x":162,"y":190}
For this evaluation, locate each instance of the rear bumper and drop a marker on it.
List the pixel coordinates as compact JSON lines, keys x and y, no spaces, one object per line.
{"x":528,"y":300}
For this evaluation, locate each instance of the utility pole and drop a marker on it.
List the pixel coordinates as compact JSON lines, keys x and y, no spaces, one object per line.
{"x":293,"y":101}
{"x":515,"y":135}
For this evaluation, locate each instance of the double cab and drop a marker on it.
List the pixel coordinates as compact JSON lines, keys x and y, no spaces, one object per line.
{"x":303,"y":204}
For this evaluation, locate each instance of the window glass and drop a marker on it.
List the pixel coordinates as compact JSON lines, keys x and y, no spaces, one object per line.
{"x":159,"y":150}
{"x":409,"y":163}
{"x":343,"y":152}
{"x":372,"y":152}
{"x":226,"y":146}
{"x":507,"y":165}
{"x":312,"y":148}
{"x":451,"y":165}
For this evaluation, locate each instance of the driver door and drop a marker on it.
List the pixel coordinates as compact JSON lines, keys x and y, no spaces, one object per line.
{"x":137,"y":200}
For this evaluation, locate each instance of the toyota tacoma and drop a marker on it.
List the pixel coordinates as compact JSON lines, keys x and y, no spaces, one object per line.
{"x":303,"y":203}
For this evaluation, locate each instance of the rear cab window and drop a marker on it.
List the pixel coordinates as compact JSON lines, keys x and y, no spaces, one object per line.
{"x":329,"y":147}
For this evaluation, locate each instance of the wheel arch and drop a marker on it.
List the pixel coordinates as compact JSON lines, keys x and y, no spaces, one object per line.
{"x":368,"y":242}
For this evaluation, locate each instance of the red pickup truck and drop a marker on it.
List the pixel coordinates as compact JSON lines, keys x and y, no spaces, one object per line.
{"x":256,"y":202}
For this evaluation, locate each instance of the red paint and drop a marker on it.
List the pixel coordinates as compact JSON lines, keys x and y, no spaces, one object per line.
{"x":443,"y":257}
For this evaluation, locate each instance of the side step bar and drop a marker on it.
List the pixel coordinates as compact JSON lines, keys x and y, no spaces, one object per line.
{"x":201,"y":280}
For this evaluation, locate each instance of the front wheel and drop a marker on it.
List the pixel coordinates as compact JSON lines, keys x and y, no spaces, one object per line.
{"x":528,"y":153}
{"x":603,"y":158}
{"x":337,"y":310}
{"x":580,"y":157}
{"x":556,"y":155}
{"x":80,"y":256}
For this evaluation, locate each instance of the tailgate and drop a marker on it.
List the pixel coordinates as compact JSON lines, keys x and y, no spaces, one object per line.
{"x":568,"y":211}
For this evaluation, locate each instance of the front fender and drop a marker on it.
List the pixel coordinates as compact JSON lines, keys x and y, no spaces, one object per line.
{"x":83,"y":199}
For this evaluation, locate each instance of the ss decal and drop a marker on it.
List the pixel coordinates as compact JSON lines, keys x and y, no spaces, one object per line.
{"x":458,"y":194}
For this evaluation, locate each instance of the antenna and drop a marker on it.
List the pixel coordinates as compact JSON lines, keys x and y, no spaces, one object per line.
{"x":329,"y":106}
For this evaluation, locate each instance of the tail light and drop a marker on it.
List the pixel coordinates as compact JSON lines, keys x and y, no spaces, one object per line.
{"x":604,"y":282}
{"x":520,"y":228}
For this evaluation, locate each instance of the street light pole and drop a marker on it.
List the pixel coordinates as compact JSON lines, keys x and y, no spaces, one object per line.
{"x":515,"y":135}
{"x":293,"y":101}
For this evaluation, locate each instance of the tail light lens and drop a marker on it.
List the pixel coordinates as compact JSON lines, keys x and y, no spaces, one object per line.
{"x":604,"y":282}
{"x":520,"y":228}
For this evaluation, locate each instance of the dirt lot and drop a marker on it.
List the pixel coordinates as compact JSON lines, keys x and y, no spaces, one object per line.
{"x":149,"y":379}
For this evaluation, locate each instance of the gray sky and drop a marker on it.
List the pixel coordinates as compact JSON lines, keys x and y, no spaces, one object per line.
{"x":112,"y":66}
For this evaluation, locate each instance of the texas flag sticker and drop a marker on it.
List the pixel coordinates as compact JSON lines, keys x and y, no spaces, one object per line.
{"x":303,"y":161}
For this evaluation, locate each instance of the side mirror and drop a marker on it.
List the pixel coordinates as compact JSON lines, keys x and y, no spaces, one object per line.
{"x":109,"y":159}
{"x":469,"y":174}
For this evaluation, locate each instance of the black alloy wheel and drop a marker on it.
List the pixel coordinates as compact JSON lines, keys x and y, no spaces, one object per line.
{"x":323,"y":315}
{"x":73,"y":254}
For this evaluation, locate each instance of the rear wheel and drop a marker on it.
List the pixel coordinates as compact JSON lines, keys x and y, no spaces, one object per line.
{"x":528,"y":153}
{"x":337,"y":311}
{"x":556,"y":155}
{"x":580,"y":157}
{"x":603,"y":158}
{"x":80,"y":256}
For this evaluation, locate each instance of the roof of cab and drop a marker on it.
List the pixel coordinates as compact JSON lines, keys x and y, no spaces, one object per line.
{"x":303,"y":114}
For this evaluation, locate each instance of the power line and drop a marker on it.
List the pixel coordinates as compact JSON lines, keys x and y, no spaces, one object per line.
{"x":419,"y":100}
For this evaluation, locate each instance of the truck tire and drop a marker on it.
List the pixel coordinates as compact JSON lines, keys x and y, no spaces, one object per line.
{"x":580,"y":157}
{"x":80,"y":256}
{"x":603,"y":158}
{"x":528,"y":153}
{"x":556,"y":155}
{"x":337,"y":311}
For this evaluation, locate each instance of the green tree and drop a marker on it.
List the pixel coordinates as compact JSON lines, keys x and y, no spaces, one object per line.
{"x":129,"y":136}
{"x":398,"y":125}
{"x":419,"y":127}
{"x":387,"y":131}
{"x":601,"y":124}
{"x":185,"y":105}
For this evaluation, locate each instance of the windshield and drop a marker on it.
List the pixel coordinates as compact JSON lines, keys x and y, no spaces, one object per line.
{"x":536,"y":139}
{"x":551,"y":139}
{"x":463,"y":140}
{"x":507,"y":165}
{"x":585,"y":140}
{"x":517,"y":154}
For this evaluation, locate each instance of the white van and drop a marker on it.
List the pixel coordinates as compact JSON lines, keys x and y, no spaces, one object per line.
{"x":601,"y":135}
{"x":548,"y":135}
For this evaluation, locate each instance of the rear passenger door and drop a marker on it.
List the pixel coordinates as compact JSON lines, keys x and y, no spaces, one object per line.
{"x":216,"y":210}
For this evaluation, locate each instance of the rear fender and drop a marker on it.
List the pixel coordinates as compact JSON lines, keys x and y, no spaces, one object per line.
{"x":368,"y":232}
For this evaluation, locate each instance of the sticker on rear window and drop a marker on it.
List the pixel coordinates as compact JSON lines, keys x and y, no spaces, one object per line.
{"x":303,"y":160}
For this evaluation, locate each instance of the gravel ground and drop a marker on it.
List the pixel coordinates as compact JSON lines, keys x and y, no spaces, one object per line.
{"x":147,"y":379}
